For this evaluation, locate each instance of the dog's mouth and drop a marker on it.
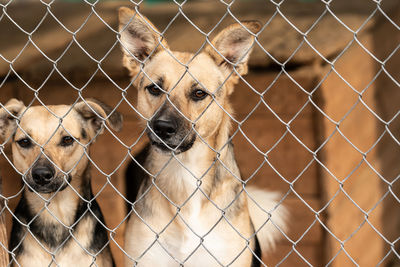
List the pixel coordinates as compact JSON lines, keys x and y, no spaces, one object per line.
{"x":56,"y":184}
{"x":169,"y":146}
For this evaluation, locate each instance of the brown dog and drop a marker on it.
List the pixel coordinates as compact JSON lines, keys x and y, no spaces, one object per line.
{"x":192,"y":208}
{"x":57,"y":221}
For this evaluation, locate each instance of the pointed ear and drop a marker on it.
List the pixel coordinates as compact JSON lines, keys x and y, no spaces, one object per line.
{"x":12,"y":109}
{"x":94,"y":113}
{"x":234,"y":43}
{"x":140,"y":39}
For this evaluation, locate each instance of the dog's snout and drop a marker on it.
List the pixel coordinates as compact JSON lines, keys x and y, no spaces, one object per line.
{"x":165,"y":128}
{"x":42,"y":174}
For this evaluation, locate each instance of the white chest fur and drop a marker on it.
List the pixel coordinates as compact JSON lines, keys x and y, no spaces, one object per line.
{"x":71,"y":254}
{"x":191,"y":227}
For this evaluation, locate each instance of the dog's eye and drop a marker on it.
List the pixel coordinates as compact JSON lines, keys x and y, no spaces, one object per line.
{"x":67,"y":141}
{"x":198,"y":95}
{"x":24,"y":142}
{"x":153,"y":89}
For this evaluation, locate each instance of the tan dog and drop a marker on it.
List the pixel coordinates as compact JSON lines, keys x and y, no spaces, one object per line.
{"x":57,"y":214}
{"x":192,"y":208}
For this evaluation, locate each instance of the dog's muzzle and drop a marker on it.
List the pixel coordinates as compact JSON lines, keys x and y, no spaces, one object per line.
{"x":165,"y":129}
{"x":43,"y":178}
{"x":43,"y":175}
{"x":169,"y":135}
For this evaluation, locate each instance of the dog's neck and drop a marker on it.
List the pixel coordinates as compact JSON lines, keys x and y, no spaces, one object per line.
{"x":63,"y":205}
{"x":178,"y":176}
{"x":52,"y":221}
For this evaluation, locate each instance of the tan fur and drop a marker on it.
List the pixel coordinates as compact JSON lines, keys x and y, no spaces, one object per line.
{"x":38,"y":117}
{"x":44,"y":128}
{"x":146,"y":28}
{"x":198,"y":213}
{"x":173,"y":215}
{"x":71,"y":255}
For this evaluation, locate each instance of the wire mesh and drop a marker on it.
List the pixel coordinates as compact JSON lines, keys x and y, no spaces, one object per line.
{"x":316,"y":119}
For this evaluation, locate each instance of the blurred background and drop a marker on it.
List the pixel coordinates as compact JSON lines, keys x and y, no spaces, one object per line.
{"x":319,"y":109}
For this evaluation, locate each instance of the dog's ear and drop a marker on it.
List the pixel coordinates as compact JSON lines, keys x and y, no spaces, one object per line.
{"x":140,"y":39}
{"x":95,"y":112}
{"x":233,"y":45}
{"x":8,"y":115}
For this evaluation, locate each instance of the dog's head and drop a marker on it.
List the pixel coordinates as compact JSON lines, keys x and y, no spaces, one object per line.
{"x":48,"y":144}
{"x":182,"y":95}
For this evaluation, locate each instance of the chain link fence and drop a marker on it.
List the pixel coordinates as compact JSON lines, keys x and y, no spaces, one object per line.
{"x":315,"y":121}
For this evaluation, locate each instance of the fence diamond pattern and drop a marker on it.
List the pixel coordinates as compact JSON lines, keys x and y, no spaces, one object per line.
{"x":11,"y":63}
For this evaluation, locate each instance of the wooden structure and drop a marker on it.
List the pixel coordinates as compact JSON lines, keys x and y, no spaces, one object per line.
{"x":322,"y":216}
{"x":4,"y":258}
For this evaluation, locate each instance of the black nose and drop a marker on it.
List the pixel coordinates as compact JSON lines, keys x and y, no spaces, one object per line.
{"x":165,"y":129}
{"x":42,"y":174}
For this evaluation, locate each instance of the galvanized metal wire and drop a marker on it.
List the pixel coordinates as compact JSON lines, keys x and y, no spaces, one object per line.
{"x":239,"y":129}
